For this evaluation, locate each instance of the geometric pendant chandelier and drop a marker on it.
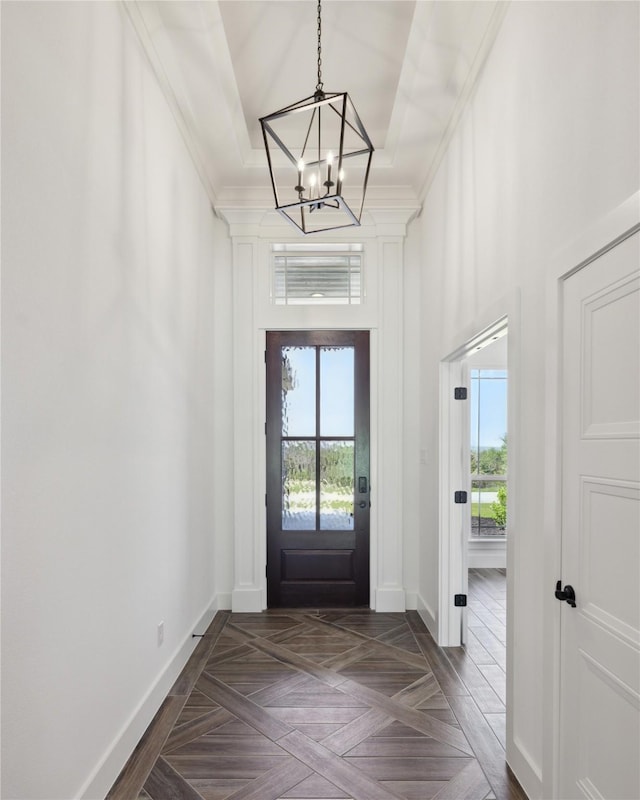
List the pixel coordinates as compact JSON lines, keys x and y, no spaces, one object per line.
{"x":319,"y":157}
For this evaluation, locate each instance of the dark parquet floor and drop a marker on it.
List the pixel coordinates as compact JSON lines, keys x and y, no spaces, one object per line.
{"x":331,"y":705}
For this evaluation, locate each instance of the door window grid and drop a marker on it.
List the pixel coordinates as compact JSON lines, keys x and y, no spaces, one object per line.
{"x":488,"y":453}
{"x":318,"y":444}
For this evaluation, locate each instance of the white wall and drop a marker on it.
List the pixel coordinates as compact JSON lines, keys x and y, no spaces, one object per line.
{"x":116,"y":287}
{"x":548,"y":145}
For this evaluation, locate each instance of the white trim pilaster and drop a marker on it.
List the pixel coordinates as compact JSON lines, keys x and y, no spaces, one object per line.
{"x":248,"y":584}
{"x":388,"y":494}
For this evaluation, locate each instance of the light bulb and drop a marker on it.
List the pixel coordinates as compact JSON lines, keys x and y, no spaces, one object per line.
{"x":300,"y":187}
{"x":328,"y":184}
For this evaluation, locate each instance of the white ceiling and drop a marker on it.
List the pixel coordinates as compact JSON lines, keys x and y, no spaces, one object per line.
{"x":409,"y":67}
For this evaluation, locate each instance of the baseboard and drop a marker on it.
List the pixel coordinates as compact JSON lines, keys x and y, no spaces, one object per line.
{"x":390,"y":600}
{"x":487,"y":554}
{"x":427,"y":616}
{"x":525,"y":770}
{"x":111,"y":764}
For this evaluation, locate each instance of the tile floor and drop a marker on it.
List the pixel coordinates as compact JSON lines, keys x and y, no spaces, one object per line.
{"x":341,"y":704}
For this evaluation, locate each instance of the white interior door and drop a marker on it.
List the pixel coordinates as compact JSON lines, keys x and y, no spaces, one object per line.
{"x":600,"y":665}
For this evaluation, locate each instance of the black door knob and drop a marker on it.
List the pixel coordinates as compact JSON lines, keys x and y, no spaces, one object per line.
{"x":567,"y":594}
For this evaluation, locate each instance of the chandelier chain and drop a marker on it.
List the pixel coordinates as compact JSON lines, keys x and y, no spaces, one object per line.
{"x":319,"y":85}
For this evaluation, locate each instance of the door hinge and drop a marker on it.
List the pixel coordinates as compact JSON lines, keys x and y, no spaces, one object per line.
{"x":265,"y":356}
{"x":460,"y":497}
{"x":460,"y":393}
{"x":265,"y":499}
{"x":460,"y":600}
{"x":265,"y":428}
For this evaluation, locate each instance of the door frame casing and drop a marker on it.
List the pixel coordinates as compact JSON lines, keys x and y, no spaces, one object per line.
{"x":606,"y":232}
{"x":357,"y":539}
{"x":454,"y":459}
{"x":453,"y":525}
{"x":260,"y":476}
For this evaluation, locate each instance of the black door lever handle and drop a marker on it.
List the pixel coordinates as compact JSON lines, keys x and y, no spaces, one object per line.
{"x":567,"y":594}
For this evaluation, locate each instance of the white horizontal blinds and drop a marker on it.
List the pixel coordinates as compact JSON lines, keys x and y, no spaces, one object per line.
{"x":329,"y":275}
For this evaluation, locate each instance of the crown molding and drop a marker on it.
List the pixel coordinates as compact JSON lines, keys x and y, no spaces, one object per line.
{"x":463,"y":100}
{"x":268,"y":224}
{"x":144,"y":19}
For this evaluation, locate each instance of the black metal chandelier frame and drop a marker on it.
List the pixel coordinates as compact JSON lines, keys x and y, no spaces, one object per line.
{"x":313,"y":199}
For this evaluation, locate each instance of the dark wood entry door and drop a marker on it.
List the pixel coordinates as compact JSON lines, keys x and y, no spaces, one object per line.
{"x":318,"y":486}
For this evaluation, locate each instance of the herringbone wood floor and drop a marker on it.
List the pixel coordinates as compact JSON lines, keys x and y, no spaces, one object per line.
{"x":325,"y":704}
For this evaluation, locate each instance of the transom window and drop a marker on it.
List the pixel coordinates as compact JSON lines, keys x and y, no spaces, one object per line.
{"x":316,"y":274}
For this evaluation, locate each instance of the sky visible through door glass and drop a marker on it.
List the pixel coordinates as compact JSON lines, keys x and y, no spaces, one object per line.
{"x":337,"y":399}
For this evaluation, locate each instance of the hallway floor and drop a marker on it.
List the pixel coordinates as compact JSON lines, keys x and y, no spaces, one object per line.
{"x":333,"y":705}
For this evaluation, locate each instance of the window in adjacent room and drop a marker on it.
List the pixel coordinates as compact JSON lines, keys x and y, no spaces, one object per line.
{"x":488,"y":452}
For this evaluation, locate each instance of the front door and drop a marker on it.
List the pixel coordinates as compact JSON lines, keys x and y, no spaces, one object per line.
{"x":600,"y":664}
{"x":318,"y":488}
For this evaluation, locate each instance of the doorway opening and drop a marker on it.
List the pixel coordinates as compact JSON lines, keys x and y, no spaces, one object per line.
{"x":485,"y":633}
{"x":473,"y":471}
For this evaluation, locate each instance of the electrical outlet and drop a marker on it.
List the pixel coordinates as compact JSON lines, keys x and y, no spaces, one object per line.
{"x":160,"y":633}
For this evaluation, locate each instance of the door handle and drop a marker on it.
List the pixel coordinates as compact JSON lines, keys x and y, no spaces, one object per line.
{"x":362,"y":485}
{"x":567,"y":594}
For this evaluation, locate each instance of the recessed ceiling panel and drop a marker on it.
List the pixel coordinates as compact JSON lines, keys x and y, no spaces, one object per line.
{"x":273,"y":49}
{"x":409,"y":68}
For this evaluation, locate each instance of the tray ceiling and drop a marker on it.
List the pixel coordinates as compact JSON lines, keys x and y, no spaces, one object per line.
{"x":408,"y":66}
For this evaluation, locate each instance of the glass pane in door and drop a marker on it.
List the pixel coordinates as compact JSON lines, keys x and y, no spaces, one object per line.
{"x":336,"y":485}
{"x":298,"y":391}
{"x":336,"y":391}
{"x":298,"y":486}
